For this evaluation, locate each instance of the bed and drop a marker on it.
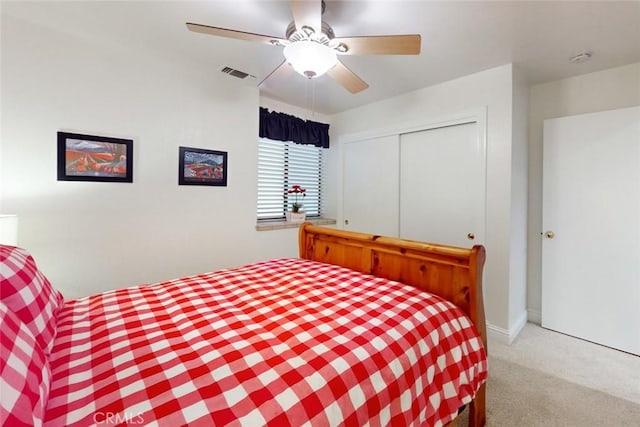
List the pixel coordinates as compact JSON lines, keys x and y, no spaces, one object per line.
{"x":359,"y":330}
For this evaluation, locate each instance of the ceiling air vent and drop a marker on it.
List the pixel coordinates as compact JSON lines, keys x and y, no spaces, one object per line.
{"x":236,"y":73}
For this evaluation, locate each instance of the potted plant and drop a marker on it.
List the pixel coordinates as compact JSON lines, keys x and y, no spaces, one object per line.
{"x":296,"y":214}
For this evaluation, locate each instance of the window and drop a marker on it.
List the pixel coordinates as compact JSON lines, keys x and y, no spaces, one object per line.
{"x":282,"y":165}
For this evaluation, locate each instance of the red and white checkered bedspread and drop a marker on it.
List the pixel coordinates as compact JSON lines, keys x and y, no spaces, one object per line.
{"x":281,"y":342}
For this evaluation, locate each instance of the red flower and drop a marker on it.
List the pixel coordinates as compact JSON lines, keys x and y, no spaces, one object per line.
{"x":296,"y":189}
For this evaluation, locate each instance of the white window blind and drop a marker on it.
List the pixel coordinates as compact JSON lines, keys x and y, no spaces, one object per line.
{"x":282,"y":165}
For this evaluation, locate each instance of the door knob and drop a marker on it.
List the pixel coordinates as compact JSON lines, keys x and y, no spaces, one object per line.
{"x":471,"y":236}
{"x":346,"y":222}
{"x":549,"y":234}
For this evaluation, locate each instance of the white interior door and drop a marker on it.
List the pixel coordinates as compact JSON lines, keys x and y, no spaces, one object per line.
{"x":370,"y":186}
{"x":442,"y":185}
{"x":591,"y":221}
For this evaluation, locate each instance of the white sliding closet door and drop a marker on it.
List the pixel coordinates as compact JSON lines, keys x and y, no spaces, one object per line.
{"x":442,"y":185}
{"x":591,"y":220}
{"x":370,"y":186}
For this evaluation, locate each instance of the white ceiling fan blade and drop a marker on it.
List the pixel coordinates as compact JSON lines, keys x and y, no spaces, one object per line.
{"x":406,"y":44}
{"x":282,"y":72}
{"x":347,"y":78}
{"x":307,"y":13}
{"x":233,"y":34}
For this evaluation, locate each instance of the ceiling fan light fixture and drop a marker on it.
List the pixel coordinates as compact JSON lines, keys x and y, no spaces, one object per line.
{"x":310,"y":58}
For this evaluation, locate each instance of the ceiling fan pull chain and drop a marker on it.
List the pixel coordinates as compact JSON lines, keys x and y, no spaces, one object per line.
{"x":306,"y":94}
{"x":313,"y":98}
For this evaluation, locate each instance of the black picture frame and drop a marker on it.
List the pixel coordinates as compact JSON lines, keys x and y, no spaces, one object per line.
{"x":94,"y":158}
{"x":198,"y":166}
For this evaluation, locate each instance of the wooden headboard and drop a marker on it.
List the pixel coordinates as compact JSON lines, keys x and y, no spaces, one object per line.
{"x":451,"y":272}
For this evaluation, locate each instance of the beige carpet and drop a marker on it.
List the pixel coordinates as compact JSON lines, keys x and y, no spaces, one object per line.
{"x":523,"y":393}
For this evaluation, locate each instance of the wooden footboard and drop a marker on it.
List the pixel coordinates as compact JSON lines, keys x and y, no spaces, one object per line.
{"x":451,"y":272}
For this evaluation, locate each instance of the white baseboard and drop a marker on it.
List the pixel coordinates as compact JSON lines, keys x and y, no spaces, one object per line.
{"x":497,"y":334}
{"x":504,"y":336}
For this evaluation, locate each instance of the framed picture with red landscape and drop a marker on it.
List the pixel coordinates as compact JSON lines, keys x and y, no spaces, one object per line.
{"x":198,"y":166}
{"x":94,"y":158}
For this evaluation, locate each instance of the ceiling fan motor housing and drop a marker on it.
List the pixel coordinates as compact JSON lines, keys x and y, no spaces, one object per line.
{"x":323,"y":37}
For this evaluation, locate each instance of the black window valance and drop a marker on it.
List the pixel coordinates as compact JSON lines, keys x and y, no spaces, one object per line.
{"x":283,"y":127}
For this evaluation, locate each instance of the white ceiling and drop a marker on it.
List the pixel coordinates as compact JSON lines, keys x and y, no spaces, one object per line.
{"x":458,"y":38}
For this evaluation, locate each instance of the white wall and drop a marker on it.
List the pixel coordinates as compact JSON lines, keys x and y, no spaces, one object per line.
{"x":88,"y":237}
{"x":604,"y":90}
{"x":519,"y":176}
{"x":493,"y":90}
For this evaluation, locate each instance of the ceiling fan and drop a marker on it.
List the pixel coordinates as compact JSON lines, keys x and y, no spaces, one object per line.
{"x":312,"y":49}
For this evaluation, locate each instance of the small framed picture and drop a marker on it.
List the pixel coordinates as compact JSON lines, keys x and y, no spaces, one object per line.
{"x":198,"y":166}
{"x":94,"y":158}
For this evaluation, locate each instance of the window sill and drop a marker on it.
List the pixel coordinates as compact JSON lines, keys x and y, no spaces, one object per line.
{"x":281,"y":225}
